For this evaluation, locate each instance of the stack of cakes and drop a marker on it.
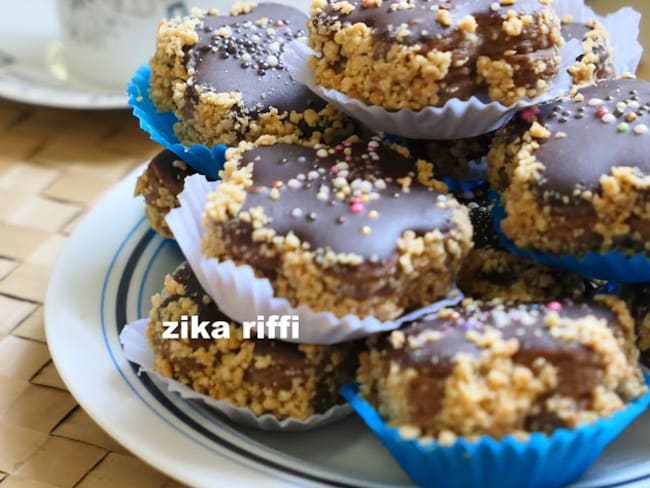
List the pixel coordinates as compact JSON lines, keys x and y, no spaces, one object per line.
{"x":364,"y":237}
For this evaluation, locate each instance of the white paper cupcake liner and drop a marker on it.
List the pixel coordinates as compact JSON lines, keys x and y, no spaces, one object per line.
{"x":243,"y":297}
{"x":623,"y":27}
{"x":457,"y":119}
{"x":137,"y":350}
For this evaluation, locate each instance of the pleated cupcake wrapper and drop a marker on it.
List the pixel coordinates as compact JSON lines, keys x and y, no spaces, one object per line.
{"x":244,"y":297}
{"x":137,"y":350}
{"x":457,"y":119}
{"x":539,"y":462}
{"x":623,"y":26}
{"x":612,"y":266}
{"x":160,"y":127}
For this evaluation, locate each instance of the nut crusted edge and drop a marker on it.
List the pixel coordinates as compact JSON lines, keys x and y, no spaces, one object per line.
{"x":492,"y":394}
{"x":425,"y":268}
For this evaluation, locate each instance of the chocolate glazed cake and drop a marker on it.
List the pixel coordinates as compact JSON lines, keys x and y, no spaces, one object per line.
{"x":418,"y":53}
{"x":473,"y":371}
{"x":160,"y":183}
{"x":267,"y":376}
{"x":573,"y":174}
{"x":490,"y":272}
{"x":335,"y":228}
{"x":224,"y":78}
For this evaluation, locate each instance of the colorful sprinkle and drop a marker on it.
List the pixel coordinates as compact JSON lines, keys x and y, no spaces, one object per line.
{"x":640,"y":129}
{"x":601,"y":112}
{"x":555,"y":306}
{"x":608,"y":119}
{"x":622,"y":127}
{"x":357,"y":206}
{"x":529,"y":113}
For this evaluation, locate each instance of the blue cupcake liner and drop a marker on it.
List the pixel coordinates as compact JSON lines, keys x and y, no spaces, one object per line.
{"x":612,"y":266}
{"x":540,"y":462}
{"x":160,"y":127}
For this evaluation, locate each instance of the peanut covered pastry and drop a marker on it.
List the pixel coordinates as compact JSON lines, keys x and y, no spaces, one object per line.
{"x":358,"y":228}
{"x":476,"y":370}
{"x":265,"y":375}
{"x":574,"y":174}
{"x":223,"y":76}
{"x":419,"y":53}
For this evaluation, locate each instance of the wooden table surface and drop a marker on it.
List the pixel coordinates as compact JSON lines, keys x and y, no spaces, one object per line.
{"x":54,"y":164}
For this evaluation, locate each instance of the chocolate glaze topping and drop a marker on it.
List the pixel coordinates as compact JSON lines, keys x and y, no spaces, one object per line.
{"x":608,"y":128}
{"x":574,"y":30}
{"x":369,"y":220}
{"x":170,"y":170}
{"x":421,"y":18}
{"x":526,"y":323}
{"x":244,"y":54}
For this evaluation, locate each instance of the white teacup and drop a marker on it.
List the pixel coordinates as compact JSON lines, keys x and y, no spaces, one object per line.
{"x":104,"y":41}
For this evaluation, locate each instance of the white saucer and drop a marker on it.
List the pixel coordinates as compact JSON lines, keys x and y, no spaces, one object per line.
{"x":31,"y":70}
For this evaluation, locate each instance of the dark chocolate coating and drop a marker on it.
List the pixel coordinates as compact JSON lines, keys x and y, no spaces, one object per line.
{"x":330,"y":223}
{"x":574,"y":30}
{"x":166,"y":174}
{"x":220,"y":67}
{"x":591,"y":147}
{"x":579,"y":368}
{"x":423,"y":25}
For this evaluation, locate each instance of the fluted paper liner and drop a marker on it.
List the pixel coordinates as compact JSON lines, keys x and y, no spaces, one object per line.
{"x":457,"y":119}
{"x":137,"y":350}
{"x":243,"y":296}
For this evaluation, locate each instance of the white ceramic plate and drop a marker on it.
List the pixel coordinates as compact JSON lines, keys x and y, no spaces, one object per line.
{"x":31,"y":68}
{"x":110,"y":267}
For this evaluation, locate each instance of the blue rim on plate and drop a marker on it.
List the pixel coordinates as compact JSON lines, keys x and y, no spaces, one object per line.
{"x":160,"y":127}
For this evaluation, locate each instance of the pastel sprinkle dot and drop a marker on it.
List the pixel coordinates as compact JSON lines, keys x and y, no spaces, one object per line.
{"x":608,"y":119}
{"x":339,"y":147}
{"x":622,"y":127}
{"x":321,"y":153}
{"x":640,"y":129}
{"x":366,"y":230}
{"x":529,"y":113}
{"x":357,"y":207}
{"x":555,"y":306}
{"x":602,"y":111}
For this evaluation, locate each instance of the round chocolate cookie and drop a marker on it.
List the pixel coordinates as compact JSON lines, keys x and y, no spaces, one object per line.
{"x":160,"y":183}
{"x":358,"y":228}
{"x":419,"y":53}
{"x":473,"y":371}
{"x":573,"y":174}
{"x":490,"y":272}
{"x":596,"y":61}
{"x":224,"y":78}
{"x":267,"y":376}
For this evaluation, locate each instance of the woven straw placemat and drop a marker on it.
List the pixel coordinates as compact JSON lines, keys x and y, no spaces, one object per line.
{"x":54,"y":164}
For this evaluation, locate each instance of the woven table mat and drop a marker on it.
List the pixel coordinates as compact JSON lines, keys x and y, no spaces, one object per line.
{"x":54,"y":164}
